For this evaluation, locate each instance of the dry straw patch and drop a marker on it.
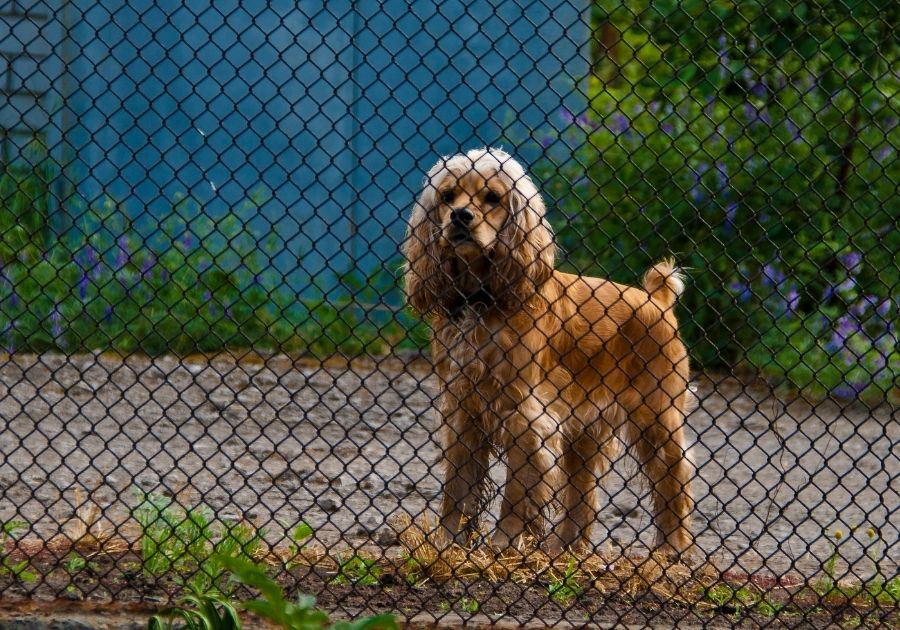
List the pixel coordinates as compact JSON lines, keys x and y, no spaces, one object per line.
{"x":607,"y":571}
{"x":87,"y":531}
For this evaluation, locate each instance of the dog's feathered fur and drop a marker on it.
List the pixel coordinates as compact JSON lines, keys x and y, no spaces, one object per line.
{"x":543,"y":367}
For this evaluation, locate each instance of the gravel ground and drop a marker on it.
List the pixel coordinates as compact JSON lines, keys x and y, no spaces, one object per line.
{"x":347,"y":446}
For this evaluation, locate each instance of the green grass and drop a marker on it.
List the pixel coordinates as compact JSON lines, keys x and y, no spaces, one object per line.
{"x":886,"y":593}
{"x":743,"y":599}
{"x":357,"y":571}
{"x":18,"y":570}
{"x":189,"y":542}
{"x":469,"y":605}
{"x":416,"y":576}
{"x":298,"y":536}
{"x":566,"y":588}
{"x":214,"y":611}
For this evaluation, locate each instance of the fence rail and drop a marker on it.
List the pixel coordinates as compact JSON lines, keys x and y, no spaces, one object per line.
{"x":372,"y":297}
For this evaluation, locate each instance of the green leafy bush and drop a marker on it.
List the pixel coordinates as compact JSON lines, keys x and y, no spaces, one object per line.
{"x":194,"y":284}
{"x":732,"y":142}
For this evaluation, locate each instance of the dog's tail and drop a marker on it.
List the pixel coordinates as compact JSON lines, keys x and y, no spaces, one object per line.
{"x":664,"y":282}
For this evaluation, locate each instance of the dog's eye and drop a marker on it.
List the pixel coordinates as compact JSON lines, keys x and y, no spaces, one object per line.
{"x":448,"y":196}
{"x":492,"y":197}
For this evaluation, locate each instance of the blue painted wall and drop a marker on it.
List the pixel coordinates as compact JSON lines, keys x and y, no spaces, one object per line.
{"x":335,"y":108}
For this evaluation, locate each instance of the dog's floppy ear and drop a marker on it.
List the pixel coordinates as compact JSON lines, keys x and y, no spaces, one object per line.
{"x":527,"y":251}
{"x":423,"y":273}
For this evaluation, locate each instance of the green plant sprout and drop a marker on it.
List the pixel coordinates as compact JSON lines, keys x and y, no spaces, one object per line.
{"x":567,"y":587}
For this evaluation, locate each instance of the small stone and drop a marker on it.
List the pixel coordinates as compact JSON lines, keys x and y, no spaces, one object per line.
{"x":328,"y":505}
{"x":388,"y":579}
{"x":386,"y":538}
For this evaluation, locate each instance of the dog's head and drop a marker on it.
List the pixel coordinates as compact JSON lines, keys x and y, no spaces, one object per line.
{"x":478,"y":226}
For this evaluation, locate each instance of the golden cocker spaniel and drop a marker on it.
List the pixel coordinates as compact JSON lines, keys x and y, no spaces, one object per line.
{"x":543,"y":368}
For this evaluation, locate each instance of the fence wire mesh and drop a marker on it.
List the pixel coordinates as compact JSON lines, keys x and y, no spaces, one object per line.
{"x":265,"y":296}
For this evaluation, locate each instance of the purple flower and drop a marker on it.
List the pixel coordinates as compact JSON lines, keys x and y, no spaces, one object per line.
{"x":566,"y":116}
{"x":851,"y":261}
{"x":859,"y":309}
{"x":883,"y":308}
{"x":55,"y":319}
{"x":750,"y":112}
{"x":846,"y":327}
{"x":667,"y":128}
{"x":654,"y":107}
{"x":793,"y":300}
{"x":90,"y":257}
{"x":697,"y":192}
{"x":772,"y":276}
{"x":207,"y":295}
{"x":122,"y":255}
{"x":585,"y":122}
{"x":883,"y":153}
{"x":741,"y":290}
{"x":843,"y":391}
{"x":8,"y":331}
{"x":792,"y":129}
{"x":13,"y":299}
{"x":759,"y":89}
{"x":846,"y":289}
{"x":187,"y":241}
{"x":730,"y":212}
{"x":107,"y":313}
{"x":83,"y":286}
{"x":721,"y":176}
{"x":546,"y":141}
{"x":147,"y":265}
{"x":618,"y":123}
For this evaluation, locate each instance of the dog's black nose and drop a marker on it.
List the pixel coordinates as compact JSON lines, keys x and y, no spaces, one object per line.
{"x":461,"y":217}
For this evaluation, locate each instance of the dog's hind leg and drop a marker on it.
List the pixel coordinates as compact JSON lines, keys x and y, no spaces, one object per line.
{"x":466,"y":457}
{"x":583,"y":465}
{"x":658,"y":441}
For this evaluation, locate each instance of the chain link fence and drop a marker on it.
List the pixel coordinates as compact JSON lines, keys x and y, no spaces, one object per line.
{"x":264,"y":296}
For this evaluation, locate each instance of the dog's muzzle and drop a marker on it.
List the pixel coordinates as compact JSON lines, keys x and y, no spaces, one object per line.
{"x":460,"y":223}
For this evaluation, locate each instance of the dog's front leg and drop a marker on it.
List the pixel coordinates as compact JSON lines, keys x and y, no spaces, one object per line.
{"x":530,"y":439}
{"x":466,"y":453}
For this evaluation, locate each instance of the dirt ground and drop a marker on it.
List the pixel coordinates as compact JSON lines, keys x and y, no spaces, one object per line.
{"x":117,"y":599}
{"x":348,"y":446}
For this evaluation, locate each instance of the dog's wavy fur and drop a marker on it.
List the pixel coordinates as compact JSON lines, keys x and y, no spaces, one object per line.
{"x":547,"y":369}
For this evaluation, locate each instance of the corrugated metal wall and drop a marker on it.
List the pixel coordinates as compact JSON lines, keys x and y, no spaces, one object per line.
{"x":332,"y":109}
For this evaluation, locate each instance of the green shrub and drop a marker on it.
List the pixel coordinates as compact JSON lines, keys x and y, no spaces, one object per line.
{"x":734,"y":140}
{"x":194,"y":284}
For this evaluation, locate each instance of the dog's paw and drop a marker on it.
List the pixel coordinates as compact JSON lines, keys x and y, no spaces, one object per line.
{"x":556,"y":548}
{"x":444,"y":538}
{"x":500,"y":541}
